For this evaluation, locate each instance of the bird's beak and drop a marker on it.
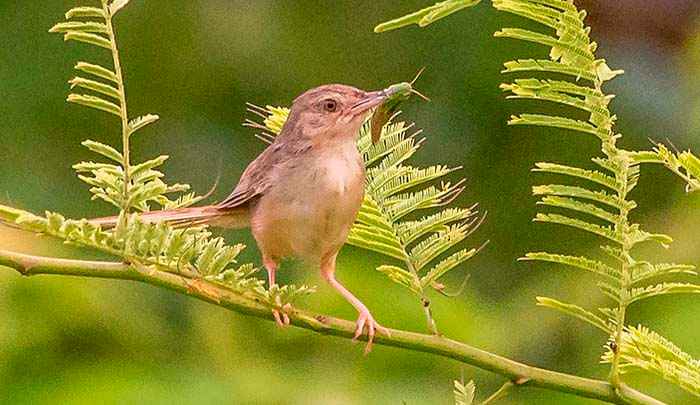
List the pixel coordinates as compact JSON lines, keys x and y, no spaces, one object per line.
{"x":370,"y":100}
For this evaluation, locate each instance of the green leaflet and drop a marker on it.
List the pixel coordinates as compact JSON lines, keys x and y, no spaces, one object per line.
{"x":141,"y":122}
{"x":402,"y":205}
{"x":590,"y":175}
{"x":438,"y":243}
{"x":464,"y":393}
{"x":104,"y":150}
{"x":573,"y":53}
{"x":558,"y":122}
{"x":446,"y":265}
{"x":582,"y":263}
{"x":685,"y":164}
{"x":582,"y":193}
{"x":575,"y":205}
{"x":426,"y":16}
{"x":97,"y":70}
{"x":576,"y":312}
{"x":85,"y":12}
{"x":640,"y":293}
{"x":79,"y":26}
{"x":542,"y":65}
{"x":410,"y":231}
{"x":566,"y":93}
{"x":88,"y":38}
{"x":401,"y":276}
{"x":95,"y":86}
{"x":604,"y":231}
{"x":643,"y":271}
{"x":643,"y":349}
{"x":95,"y":102}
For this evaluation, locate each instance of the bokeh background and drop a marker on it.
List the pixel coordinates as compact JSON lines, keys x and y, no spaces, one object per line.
{"x":196,"y":63}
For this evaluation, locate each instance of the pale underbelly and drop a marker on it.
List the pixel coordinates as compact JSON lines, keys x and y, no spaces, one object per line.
{"x":309,"y":215}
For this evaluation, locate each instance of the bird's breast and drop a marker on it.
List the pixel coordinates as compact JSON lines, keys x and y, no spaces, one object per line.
{"x":313,"y":204}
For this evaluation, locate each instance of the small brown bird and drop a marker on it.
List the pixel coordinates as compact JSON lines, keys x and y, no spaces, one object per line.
{"x":301,"y":196}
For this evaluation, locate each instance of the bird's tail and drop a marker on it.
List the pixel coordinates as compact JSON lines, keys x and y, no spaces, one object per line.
{"x":233,"y":218}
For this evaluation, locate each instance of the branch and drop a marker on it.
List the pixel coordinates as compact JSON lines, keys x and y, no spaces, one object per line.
{"x":520,"y":374}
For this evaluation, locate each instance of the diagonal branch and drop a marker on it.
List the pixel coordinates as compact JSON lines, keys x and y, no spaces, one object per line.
{"x":519,"y":373}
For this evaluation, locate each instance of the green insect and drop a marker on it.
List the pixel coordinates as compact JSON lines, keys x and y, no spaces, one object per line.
{"x":398,"y":93}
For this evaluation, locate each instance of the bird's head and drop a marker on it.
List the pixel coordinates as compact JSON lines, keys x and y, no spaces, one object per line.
{"x":332,"y":111}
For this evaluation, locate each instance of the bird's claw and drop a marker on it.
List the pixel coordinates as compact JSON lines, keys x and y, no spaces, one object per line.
{"x":281,"y":317}
{"x":365,"y":319}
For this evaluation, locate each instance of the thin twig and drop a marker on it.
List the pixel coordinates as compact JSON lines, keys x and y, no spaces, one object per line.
{"x":530,"y":376}
{"x":499,"y":393}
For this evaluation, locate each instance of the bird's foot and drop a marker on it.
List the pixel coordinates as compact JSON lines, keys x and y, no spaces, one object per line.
{"x":281,"y":317}
{"x":365,"y":319}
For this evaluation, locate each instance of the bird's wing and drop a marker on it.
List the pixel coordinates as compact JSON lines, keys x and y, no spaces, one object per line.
{"x":260,"y":174}
{"x":254,"y":181}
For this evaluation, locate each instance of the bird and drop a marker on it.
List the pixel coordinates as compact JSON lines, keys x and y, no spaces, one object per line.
{"x":302,"y":194}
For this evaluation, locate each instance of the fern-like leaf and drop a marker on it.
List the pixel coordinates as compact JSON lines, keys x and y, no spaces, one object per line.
{"x":97,"y":70}
{"x":464,"y":393}
{"x":576,"y":312}
{"x":593,"y":266}
{"x":126,"y":187}
{"x":643,"y":349}
{"x":428,"y":15}
{"x":640,"y":293}
{"x":572,"y":53}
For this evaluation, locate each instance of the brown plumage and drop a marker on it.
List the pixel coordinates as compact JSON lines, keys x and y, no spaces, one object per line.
{"x":302,"y":194}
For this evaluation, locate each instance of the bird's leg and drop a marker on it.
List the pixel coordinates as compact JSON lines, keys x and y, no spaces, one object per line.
{"x":271,"y":267}
{"x":364,"y":318}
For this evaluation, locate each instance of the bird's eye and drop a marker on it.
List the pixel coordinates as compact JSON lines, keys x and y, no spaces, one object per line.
{"x":330,"y":105}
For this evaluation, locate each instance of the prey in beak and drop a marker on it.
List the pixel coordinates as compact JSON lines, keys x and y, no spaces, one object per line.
{"x":390,"y":98}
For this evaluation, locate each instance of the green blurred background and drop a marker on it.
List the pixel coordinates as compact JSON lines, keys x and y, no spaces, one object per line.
{"x":196,"y":63}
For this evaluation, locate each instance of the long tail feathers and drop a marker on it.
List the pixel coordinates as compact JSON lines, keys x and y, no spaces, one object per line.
{"x":234,"y":218}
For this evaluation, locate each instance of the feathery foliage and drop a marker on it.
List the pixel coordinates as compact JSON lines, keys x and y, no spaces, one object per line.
{"x":464,"y":393}
{"x":428,"y":15}
{"x":191,"y":252}
{"x":601,"y":205}
{"x":685,"y":164}
{"x":599,"y":201}
{"x":116,"y":181}
{"x":390,"y":221}
{"x":643,"y":349}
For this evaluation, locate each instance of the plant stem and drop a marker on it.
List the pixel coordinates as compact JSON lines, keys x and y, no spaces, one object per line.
{"x":215,"y":294}
{"x":622,"y":226}
{"x":126,"y":164}
{"x":499,"y":393}
{"x":424,"y":301}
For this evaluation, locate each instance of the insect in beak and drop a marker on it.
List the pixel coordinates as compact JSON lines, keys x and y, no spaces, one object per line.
{"x":395,"y":94}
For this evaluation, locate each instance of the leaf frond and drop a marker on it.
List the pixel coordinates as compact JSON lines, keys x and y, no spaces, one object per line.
{"x":464,"y":393}
{"x":576,"y":312}
{"x":590,"y":175}
{"x":641,"y":293}
{"x":426,"y":16}
{"x":95,"y":102}
{"x":643,"y":349}
{"x":583,"y":263}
